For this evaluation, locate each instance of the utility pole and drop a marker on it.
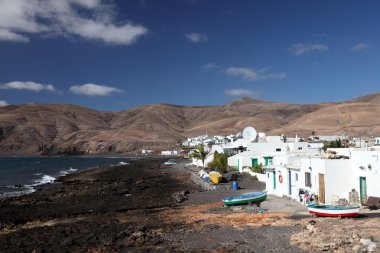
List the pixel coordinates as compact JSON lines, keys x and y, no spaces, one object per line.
{"x":345,"y":122}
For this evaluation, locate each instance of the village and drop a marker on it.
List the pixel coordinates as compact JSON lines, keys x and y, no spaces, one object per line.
{"x":329,"y":169}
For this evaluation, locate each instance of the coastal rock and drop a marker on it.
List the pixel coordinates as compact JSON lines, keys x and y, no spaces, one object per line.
{"x":181,"y":196}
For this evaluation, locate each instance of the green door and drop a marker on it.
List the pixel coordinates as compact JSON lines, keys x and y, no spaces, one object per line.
{"x":238,"y":163}
{"x":255,"y":162}
{"x":268,"y":160}
{"x":274,"y":180}
{"x":363,"y":189}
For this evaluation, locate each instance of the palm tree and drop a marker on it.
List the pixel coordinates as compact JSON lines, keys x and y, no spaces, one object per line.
{"x":200,"y":153}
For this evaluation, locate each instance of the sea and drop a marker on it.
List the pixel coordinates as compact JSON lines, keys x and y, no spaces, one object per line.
{"x":21,"y":175}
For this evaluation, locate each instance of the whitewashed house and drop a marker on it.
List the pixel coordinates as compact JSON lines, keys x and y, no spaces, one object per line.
{"x":330,"y":179}
{"x":169,"y":152}
{"x":263,"y":153}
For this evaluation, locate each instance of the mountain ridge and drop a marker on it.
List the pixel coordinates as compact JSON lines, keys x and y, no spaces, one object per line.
{"x":72,"y":129}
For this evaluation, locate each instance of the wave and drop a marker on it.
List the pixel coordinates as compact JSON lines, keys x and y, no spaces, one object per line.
{"x":123,"y":163}
{"x":26,"y":190}
{"x":18,"y":190}
{"x":65,"y":172}
{"x":44,"y":180}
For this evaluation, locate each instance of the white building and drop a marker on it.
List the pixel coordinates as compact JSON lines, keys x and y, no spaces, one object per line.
{"x":263,"y":153}
{"x":169,"y":152}
{"x":330,"y":179}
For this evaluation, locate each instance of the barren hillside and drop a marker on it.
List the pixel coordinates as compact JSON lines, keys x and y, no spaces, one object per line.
{"x":70,"y":129}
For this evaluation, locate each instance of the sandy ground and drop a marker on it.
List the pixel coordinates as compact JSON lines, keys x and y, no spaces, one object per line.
{"x":135,"y":208}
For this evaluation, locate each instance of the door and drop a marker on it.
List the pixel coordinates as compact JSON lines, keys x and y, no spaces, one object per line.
{"x":290,"y":182}
{"x":321,"y":188}
{"x":255,"y":162}
{"x":274,"y":180}
{"x":363,"y":189}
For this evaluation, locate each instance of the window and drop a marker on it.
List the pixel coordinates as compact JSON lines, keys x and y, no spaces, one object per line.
{"x":299,"y":148}
{"x":308,"y":179}
{"x":268,"y":160}
{"x":296,"y":176}
{"x":278,"y":149}
{"x":268,"y":175}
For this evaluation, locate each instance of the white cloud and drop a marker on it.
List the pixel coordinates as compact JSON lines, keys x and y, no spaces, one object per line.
{"x":251,"y":74}
{"x":361,"y":46}
{"x":196,"y":37}
{"x":6,"y":35}
{"x":17,"y":85}
{"x":301,"y":48}
{"x":87,"y":19}
{"x":209,"y":66}
{"x":92,"y":90}
{"x":3,"y":103}
{"x":242,"y":93}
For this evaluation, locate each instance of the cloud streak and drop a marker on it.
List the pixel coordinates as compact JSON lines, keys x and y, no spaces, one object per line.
{"x":3,"y":103}
{"x":86,"y":19}
{"x":32,"y":86}
{"x":251,"y":74}
{"x":93,"y":90}
{"x":196,"y":37}
{"x":209,"y":66}
{"x":301,"y":48}
{"x":361,"y":46}
{"x":242,"y":93}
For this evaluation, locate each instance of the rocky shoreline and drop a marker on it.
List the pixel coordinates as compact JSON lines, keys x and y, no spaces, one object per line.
{"x":146,"y":207}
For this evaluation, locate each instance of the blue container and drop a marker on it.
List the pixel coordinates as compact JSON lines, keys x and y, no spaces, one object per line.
{"x":235,"y":185}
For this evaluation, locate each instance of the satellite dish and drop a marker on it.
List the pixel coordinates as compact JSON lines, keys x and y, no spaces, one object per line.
{"x":249,"y":134}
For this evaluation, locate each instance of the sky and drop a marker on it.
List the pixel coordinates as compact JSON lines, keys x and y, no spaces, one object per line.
{"x":112,"y":55}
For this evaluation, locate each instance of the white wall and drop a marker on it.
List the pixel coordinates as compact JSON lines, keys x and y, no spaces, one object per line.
{"x":363,"y":159}
{"x":338,"y":179}
{"x":267,"y":147}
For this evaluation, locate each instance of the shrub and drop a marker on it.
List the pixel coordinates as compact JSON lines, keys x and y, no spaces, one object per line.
{"x":258,"y":169}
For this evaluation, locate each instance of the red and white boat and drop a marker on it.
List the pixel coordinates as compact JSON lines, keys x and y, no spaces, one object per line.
{"x":333,"y":211}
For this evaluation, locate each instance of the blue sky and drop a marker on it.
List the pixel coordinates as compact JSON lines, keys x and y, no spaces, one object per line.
{"x":114,"y":55}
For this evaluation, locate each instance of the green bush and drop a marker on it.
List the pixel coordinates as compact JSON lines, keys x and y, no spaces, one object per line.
{"x":220,"y":162}
{"x":258,"y":169}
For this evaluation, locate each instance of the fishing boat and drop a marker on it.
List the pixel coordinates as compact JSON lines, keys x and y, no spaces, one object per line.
{"x":333,"y":211}
{"x":215,"y":177}
{"x":247,"y":198}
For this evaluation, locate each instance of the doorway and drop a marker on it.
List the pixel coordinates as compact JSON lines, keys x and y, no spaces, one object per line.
{"x":274,"y":180}
{"x":290,"y":182}
{"x":363,"y":189}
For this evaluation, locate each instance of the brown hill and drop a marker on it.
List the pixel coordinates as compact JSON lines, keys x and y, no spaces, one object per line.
{"x":70,"y":129}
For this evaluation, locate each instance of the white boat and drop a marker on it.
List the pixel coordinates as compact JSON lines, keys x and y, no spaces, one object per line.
{"x":333,"y":211}
{"x":203,"y":174}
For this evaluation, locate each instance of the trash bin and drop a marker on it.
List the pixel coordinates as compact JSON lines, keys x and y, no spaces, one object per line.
{"x":235,"y":185}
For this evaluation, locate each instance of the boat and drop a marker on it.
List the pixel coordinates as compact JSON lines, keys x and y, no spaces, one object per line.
{"x":333,"y":211}
{"x":215,"y":177}
{"x":247,"y":198}
{"x":203,"y":174}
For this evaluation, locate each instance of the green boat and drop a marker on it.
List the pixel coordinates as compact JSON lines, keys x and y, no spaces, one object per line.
{"x":247,"y":198}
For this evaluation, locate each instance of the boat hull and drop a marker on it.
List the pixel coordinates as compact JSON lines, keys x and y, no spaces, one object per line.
{"x":215,"y":177}
{"x":245,"y":199}
{"x":333,"y":211}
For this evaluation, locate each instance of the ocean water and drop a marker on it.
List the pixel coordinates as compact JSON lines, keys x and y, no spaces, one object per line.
{"x":20,"y":175}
